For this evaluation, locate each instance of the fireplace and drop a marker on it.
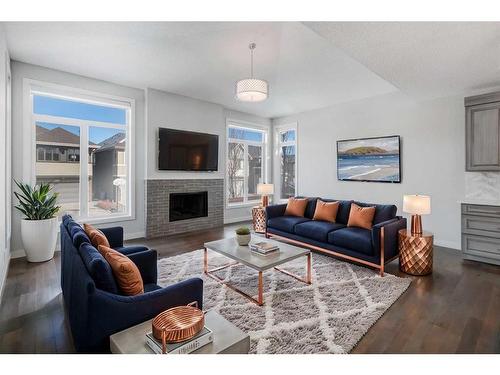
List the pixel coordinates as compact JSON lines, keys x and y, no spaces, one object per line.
{"x":185,"y":206}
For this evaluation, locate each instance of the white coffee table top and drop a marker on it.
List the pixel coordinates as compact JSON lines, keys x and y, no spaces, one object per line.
{"x":242,"y":254}
{"x":227,"y":338}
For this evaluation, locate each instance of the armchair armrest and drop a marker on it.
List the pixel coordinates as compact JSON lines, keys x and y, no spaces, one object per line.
{"x":112,"y":313}
{"x":391,"y":228}
{"x":146,"y":261}
{"x":114,"y":236}
{"x":275,"y":210}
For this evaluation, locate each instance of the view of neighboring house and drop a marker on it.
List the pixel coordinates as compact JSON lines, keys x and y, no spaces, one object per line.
{"x":58,"y":163}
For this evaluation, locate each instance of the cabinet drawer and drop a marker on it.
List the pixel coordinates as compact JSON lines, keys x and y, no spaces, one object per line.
{"x":486,"y":247}
{"x":481,"y":210}
{"x":481,"y":225}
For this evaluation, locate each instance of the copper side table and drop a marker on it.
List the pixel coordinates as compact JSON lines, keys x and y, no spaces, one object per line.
{"x":415,"y":252}
{"x":259,"y":219}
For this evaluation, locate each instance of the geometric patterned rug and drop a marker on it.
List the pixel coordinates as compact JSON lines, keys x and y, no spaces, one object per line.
{"x":329,"y":316}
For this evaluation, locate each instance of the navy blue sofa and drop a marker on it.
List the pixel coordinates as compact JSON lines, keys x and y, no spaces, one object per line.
{"x":372,"y":248}
{"x":95,"y":307}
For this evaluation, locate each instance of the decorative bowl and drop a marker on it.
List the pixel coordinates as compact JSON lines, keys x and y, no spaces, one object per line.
{"x":178,"y":324}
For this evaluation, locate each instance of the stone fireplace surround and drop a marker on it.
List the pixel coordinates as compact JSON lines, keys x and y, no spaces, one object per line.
{"x":157,"y":205}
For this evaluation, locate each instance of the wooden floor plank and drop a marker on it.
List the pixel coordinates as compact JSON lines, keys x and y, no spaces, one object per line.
{"x":455,"y":309}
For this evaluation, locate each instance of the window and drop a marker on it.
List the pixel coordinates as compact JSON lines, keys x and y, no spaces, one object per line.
{"x":245,"y":163}
{"x":286,"y":137}
{"x":82,"y":150}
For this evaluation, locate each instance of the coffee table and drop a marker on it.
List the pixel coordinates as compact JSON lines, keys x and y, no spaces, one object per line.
{"x":242,"y":255}
{"x":227,"y":338}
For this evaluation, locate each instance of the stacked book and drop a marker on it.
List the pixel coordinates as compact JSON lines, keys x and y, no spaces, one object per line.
{"x":202,"y":338}
{"x":264,"y":248}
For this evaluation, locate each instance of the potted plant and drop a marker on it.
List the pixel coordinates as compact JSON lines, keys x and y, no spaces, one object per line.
{"x":39,"y":226}
{"x":243,"y":236}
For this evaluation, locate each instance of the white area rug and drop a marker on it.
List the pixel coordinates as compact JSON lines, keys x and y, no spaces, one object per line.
{"x":329,"y":316}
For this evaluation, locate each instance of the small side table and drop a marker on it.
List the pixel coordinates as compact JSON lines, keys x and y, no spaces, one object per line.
{"x":415,"y":252}
{"x":259,"y":219}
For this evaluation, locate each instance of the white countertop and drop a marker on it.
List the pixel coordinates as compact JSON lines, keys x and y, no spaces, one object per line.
{"x":484,"y":202}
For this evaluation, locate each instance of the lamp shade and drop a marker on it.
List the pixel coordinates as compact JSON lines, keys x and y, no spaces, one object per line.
{"x":265,"y":189}
{"x":417,"y":204}
{"x":251,"y":90}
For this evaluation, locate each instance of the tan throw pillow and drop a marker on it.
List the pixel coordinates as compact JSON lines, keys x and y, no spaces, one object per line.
{"x":127,"y":275}
{"x":96,"y":236}
{"x":326,"y":211}
{"x":296,"y":207}
{"x":361,"y":217}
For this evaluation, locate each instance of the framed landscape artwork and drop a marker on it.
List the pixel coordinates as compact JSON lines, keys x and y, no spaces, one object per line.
{"x":369,"y":159}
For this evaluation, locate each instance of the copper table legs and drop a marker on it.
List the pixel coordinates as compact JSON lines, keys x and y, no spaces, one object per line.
{"x":260,"y":296}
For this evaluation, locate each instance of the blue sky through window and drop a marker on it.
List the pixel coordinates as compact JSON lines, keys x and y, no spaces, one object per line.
{"x":45,"y":105}
{"x":245,"y":134}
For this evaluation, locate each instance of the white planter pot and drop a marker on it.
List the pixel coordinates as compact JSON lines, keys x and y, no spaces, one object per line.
{"x":39,"y":239}
{"x":243,"y":239}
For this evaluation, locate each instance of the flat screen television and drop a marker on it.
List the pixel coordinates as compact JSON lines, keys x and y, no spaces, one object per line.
{"x":369,"y":159}
{"x":181,"y":150}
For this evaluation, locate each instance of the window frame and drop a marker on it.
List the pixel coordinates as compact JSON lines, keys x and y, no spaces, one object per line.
{"x":232,"y":123}
{"x":278,"y":130}
{"x":33,"y":87}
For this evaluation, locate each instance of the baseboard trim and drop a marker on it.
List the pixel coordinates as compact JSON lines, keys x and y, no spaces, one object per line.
{"x":238,"y":219}
{"x":449,"y":244}
{"x":131,"y":236}
{"x":3,"y":278}
{"x":19,"y":253}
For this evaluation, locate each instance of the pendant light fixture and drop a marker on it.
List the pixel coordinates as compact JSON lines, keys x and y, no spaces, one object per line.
{"x":251,"y":89}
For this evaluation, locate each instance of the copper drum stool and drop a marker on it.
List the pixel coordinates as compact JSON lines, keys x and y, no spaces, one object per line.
{"x":259,"y":219}
{"x":415,"y":252}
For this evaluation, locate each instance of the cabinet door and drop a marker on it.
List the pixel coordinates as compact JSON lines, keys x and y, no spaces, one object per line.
{"x":483,"y":137}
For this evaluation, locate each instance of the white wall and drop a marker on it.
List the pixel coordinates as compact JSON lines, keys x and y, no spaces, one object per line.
{"x":133,"y":228}
{"x":432,"y":135}
{"x":5,"y":160}
{"x":169,"y":110}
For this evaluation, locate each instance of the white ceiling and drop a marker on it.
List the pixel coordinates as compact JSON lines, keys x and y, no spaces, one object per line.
{"x":202,"y":60}
{"x":422,"y":59}
{"x":308,"y":65}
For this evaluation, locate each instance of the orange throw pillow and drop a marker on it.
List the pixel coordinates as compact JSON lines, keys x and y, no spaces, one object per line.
{"x":97,"y":238}
{"x":361,"y":217}
{"x":126,"y":273}
{"x":296,"y":207}
{"x":326,"y":211}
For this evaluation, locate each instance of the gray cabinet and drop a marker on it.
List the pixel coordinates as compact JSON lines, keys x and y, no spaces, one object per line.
{"x":482,"y":134}
{"x":481,"y":233}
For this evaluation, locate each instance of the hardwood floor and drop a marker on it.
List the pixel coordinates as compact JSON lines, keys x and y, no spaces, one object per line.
{"x":454,"y":310}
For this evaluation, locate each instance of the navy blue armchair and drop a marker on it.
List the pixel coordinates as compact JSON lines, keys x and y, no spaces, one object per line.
{"x":370,"y":247}
{"x":95,"y":307}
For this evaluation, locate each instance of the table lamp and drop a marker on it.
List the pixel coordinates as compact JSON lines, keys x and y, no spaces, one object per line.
{"x":265,"y":190}
{"x":416,"y":205}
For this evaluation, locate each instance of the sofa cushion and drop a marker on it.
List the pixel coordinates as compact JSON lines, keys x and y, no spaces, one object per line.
{"x":361,"y":217}
{"x":383,"y":212}
{"x":127,"y":275}
{"x":343,"y":211}
{"x":311,"y":207}
{"x":96,"y":236}
{"x":151,"y":287}
{"x":285,"y":223}
{"x":80,"y":237}
{"x":317,"y":230}
{"x":296,"y":207}
{"x":326,"y":211}
{"x":131,"y":249}
{"x":98,"y":268}
{"x":357,"y":239}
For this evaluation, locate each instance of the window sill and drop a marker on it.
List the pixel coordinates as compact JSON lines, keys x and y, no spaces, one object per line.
{"x":105,"y":220}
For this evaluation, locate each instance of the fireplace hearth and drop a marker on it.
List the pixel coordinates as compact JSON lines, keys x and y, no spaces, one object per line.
{"x":185,"y":206}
